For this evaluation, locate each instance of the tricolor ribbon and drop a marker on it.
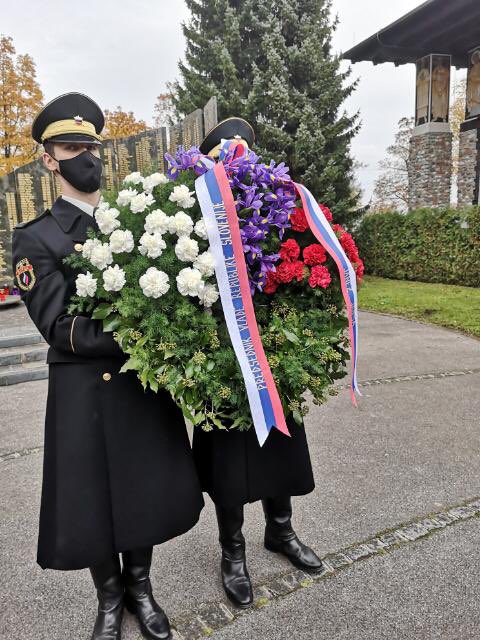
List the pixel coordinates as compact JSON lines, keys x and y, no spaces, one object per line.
{"x":218,"y":209}
{"x":324,"y":233}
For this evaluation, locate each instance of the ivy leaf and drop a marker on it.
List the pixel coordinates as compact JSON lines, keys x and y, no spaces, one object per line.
{"x":297,"y":417}
{"x":210,"y":365}
{"x":112,"y":322}
{"x":131,"y":363}
{"x":291,"y":336}
{"x":199,"y":417}
{"x":187,"y":413}
{"x":218,"y":424}
{"x":102,"y":311}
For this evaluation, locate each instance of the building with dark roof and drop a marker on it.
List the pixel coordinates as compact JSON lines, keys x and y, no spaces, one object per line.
{"x":435,"y":36}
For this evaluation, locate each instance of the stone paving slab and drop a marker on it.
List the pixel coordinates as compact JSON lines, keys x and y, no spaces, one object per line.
{"x":427,"y":590}
{"x":412,"y":447}
{"x":394,"y":346}
{"x":22,"y":415}
{"x":15,"y":319}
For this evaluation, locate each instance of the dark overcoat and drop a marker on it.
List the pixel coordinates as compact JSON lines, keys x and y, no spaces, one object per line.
{"x":118,"y":468}
{"x":234,"y":469}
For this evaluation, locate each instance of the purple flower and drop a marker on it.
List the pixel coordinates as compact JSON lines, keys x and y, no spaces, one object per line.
{"x":263,"y":199}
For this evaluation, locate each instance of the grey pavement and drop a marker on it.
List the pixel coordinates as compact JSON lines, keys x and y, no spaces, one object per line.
{"x":411,"y":448}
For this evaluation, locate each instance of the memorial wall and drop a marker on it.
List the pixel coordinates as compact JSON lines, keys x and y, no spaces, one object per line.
{"x":29,"y":190}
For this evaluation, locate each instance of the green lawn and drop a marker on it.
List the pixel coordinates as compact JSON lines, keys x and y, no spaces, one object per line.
{"x":445,"y":304}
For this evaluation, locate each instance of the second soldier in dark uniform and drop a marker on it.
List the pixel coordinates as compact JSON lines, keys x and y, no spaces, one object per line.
{"x":235,"y":470}
{"x":118,"y":474}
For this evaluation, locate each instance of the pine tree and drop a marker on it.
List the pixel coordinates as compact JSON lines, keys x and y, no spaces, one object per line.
{"x":271,"y":62}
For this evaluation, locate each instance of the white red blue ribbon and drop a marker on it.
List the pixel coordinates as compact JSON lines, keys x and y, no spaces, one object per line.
{"x":322,"y":230}
{"x":218,"y":209}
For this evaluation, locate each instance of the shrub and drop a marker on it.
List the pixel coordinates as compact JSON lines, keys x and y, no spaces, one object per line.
{"x":428,"y":245}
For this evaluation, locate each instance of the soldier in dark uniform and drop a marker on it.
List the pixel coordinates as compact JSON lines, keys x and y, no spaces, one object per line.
{"x":235,"y":470}
{"x":119,"y":475}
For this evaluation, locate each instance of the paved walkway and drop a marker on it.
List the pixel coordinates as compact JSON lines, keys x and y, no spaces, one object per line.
{"x":399,"y":463}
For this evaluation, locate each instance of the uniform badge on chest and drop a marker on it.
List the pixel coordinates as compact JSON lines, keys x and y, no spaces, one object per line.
{"x":24,"y":274}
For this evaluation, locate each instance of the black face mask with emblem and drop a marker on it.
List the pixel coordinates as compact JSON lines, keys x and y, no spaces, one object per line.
{"x":84,"y":172}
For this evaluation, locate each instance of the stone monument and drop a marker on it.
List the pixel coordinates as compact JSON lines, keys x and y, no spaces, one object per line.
{"x":30,"y":189}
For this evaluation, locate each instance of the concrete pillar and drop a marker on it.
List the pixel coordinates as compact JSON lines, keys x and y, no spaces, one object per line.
{"x":430,"y":165}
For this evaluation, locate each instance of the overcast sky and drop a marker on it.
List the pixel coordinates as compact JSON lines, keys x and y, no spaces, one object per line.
{"x":122,"y":52}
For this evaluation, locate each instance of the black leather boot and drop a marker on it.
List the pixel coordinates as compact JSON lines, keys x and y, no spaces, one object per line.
{"x":281,"y":538}
{"x":108,"y":582}
{"x":235,"y":578}
{"x":139,"y":599}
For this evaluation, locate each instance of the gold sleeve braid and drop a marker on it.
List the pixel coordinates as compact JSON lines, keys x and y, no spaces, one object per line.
{"x":71,"y":333}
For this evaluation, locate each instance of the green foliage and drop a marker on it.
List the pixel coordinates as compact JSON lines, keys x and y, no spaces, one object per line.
{"x":174,"y":343}
{"x":428,"y":245}
{"x":271,"y":62}
{"x":447,"y":305}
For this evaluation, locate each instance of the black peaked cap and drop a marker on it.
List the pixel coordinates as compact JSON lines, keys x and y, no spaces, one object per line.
{"x":228,"y":129}
{"x":65,"y":107}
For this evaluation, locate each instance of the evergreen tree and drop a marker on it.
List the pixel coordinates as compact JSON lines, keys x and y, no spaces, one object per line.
{"x":270,"y":62}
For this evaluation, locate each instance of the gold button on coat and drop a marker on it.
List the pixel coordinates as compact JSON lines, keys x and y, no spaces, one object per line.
{"x":78,"y":247}
{"x":106,"y":376}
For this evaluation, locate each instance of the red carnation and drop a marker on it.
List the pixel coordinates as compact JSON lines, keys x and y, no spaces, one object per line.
{"x":314,"y":254}
{"x":319,"y":276}
{"x":298,"y":220}
{"x":299,"y":267}
{"x":326,"y":212}
{"x":271,"y":284}
{"x":348,"y":243}
{"x":285,"y":272}
{"x":337,"y":227}
{"x":359,"y":270}
{"x":289,"y":250}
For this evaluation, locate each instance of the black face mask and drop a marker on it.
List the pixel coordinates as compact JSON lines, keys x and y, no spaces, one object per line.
{"x":84,"y":172}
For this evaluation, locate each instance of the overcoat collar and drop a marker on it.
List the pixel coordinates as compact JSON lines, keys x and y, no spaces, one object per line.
{"x":72,"y":219}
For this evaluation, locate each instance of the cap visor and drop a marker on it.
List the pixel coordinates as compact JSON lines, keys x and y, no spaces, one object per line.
{"x":74,"y":137}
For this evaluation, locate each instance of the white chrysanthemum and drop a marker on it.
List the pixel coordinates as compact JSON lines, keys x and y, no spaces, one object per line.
{"x":208,"y":294}
{"x":205,"y":263}
{"x":125,"y":196}
{"x":152,"y":245}
{"x":140,"y":202}
{"x":134,"y":178}
{"x":121,"y":241}
{"x":189,"y":281}
{"x":154,"y":283}
{"x":88,"y":247}
{"x":150,"y":182}
{"x":182,"y":196}
{"x":103,"y":205}
{"x":186,"y":249}
{"x":181,"y":224}
{"x":113,"y":278}
{"x":201,"y":229}
{"x":107,"y":219}
{"x":86,"y":284}
{"x":157,"y":220}
{"x":101,"y":255}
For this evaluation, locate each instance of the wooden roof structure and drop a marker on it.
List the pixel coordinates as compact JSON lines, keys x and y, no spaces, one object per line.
{"x":436,"y":26}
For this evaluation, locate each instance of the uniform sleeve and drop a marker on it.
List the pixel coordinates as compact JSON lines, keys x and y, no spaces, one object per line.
{"x":44,"y":290}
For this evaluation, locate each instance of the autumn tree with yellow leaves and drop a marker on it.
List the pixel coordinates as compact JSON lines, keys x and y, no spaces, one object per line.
{"x":119,"y":123}
{"x":20,"y":100}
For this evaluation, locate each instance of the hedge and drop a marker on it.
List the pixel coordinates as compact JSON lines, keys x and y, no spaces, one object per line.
{"x":428,"y":245}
